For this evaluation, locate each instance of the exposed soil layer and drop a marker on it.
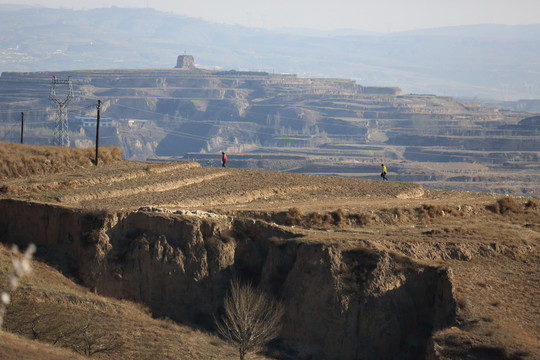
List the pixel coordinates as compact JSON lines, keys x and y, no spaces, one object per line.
{"x":340,"y":252}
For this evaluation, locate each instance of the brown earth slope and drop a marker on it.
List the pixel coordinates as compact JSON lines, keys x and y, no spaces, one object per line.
{"x":489,"y":243}
{"x":54,"y":304}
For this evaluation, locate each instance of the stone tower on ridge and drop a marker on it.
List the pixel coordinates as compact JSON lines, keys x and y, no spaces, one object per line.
{"x":185,"y":62}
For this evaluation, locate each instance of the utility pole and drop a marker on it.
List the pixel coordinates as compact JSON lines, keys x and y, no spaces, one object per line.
{"x":61,"y":129}
{"x":97,"y":130}
{"x":22,"y":126}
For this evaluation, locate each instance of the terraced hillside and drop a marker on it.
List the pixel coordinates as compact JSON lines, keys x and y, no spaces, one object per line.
{"x":366,"y":269}
{"x":331,"y":126}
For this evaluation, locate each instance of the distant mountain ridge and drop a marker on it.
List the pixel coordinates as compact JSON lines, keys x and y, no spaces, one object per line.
{"x":484,"y":61}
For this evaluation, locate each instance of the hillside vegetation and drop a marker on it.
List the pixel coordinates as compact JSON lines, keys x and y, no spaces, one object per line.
{"x":20,"y":161}
{"x":49,"y":308}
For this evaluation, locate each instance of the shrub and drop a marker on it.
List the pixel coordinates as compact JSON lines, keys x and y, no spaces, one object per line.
{"x":328,"y":219}
{"x":531,"y":204}
{"x":509,"y":204}
{"x":506,"y":205}
{"x":315,"y":219}
{"x":426,"y":212}
{"x":362,"y":219}
{"x":398,"y":212}
{"x":294,"y":216}
{"x":339,"y":217}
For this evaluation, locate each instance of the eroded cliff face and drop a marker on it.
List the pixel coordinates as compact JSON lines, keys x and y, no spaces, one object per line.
{"x":342,"y":301}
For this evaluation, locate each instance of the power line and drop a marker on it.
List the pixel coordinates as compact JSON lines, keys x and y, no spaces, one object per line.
{"x":61,"y":133}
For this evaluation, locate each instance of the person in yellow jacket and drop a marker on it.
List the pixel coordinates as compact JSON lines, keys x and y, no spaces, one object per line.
{"x":383,"y":172}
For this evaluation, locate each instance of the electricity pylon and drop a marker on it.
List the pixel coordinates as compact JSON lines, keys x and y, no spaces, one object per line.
{"x":61,"y":133}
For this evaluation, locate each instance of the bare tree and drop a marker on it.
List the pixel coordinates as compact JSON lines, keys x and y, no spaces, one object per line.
{"x":97,"y":340}
{"x":63,"y":327}
{"x":251,"y":318}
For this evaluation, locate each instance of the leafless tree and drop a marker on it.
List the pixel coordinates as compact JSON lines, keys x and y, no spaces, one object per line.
{"x":251,"y":318}
{"x":95,"y":340}
{"x":64,"y":327}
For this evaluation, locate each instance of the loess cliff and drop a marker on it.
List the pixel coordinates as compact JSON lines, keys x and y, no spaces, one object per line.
{"x":342,"y":301}
{"x":366,"y":269}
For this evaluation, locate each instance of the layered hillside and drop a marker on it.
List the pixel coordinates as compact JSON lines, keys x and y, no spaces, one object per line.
{"x":366,"y":269}
{"x":483,"y":61}
{"x":159,"y":113}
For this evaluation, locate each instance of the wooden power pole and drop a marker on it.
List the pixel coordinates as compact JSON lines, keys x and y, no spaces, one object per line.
{"x":22,"y":127}
{"x":97,"y":131}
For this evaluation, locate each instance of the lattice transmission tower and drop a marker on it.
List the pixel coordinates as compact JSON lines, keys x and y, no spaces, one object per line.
{"x":61,"y":133}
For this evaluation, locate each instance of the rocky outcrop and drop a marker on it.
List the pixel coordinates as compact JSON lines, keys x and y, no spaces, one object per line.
{"x":186,"y":62}
{"x":342,"y":301}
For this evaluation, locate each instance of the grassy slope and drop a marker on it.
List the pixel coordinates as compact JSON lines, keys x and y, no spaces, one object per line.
{"x":18,"y":160}
{"x":140,"y":336}
{"x":18,"y":347}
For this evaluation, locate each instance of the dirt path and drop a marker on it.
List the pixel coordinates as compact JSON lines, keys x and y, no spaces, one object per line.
{"x":186,"y":184}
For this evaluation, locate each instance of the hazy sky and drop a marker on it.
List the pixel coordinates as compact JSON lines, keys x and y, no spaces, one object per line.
{"x":370,"y":15}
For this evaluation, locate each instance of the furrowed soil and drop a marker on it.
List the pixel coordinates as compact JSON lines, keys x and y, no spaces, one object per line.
{"x":490,"y":243}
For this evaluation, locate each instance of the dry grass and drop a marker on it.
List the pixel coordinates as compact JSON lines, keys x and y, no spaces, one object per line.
{"x":391,"y":216}
{"x":18,"y":347}
{"x":55,"y":305}
{"x":18,"y":160}
{"x":506,"y":205}
{"x":316,"y":219}
{"x":525,"y":213}
{"x":427,"y":212}
{"x":340,"y":217}
{"x":531,"y":204}
{"x":490,"y":310}
{"x":293,"y":216}
{"x":328,"y":219}
{"x":363,"y":219}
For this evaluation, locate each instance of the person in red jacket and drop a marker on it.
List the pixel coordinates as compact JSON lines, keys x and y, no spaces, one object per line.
{"x":223,"y":159}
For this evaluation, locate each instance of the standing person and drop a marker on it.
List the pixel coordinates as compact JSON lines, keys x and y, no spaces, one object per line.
{"x":383,"y":172}
{"x":223,"y":159}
